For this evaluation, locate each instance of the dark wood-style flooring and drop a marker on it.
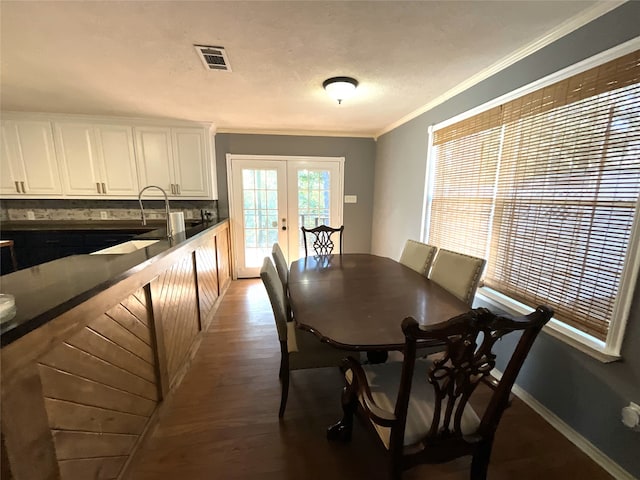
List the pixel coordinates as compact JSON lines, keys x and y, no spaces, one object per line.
{"x":222,"y":422}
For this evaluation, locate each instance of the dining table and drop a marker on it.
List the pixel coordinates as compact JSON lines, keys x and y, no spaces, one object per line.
{"x":356,"y":301}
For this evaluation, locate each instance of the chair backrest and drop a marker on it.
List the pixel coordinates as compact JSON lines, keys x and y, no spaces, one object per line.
{"x":418,"y":256}
{"x":281,"y":265}
{"x":322,"y":243}
{"x":468,"y":358}
{"x":457,"y":273}
{"x":277,"y":296}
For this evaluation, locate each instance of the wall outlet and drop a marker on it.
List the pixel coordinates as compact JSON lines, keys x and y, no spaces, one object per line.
{"x":31,"y":215}
{"x":103,"y":215}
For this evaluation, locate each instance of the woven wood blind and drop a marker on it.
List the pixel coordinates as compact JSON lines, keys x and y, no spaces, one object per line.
{"x":548,"y":193}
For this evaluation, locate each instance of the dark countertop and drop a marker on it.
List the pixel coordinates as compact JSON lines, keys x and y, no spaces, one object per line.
{"x":45,"y":291}
{"x":64,"y":225}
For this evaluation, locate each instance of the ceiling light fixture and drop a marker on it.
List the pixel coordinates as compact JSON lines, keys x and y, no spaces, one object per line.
{"x":340,"y":88}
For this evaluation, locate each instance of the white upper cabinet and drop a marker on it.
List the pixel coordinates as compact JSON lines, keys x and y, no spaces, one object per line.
{"x":189,"y":155}
{"x":174,"y":159}
{"x":27,"y":160}
{"x":96,"y":160}
{"x":78,"y":156}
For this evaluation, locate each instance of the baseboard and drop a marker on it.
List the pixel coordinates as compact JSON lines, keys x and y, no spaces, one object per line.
{"x":615,"y":470}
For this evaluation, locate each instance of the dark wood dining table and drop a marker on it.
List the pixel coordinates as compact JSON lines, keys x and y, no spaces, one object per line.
{"x":358,"y":301}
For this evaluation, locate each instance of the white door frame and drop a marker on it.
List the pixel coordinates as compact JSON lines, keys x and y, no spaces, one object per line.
{"x":288,"y":159}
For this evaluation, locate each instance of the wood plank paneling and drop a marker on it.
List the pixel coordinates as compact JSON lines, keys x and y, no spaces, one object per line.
{"x":92,"y":468}
{"x":72,"y":360}
{"x":174,"y":298}
{"x":106,"y":327}
{"x":207,"y":271}
{"x":65,"y":386}
{"x":72,"y":445}
{"x":65,"y":415}
{"x":137,"y":305}
{"x":129,"y":321}
{"x":95,"y":344}
{"x":224,"y":259}
{"x":27,"y":437}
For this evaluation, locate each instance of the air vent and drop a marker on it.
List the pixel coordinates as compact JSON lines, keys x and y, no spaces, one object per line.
{"x":213,"y":58}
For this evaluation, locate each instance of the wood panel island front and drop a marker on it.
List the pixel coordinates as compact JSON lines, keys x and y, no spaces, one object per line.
{"x":98,"y":344}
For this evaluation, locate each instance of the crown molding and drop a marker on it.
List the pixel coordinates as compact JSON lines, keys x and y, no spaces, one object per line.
{"x":299,"y":133}
{"x":562,"y":30}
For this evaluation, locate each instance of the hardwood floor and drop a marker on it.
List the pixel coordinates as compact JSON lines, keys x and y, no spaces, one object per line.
{"x":222,"y":422}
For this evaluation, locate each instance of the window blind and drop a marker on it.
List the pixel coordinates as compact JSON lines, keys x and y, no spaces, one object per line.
{"x":545,"y":187}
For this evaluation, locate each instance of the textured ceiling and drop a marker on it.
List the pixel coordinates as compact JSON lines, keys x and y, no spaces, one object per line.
{"x":136,"y":58}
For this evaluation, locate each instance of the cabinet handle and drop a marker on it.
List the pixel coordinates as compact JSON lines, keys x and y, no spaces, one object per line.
{"x":17,"y":186}
{"x":104,"y":189}
{"x":178,"y":188}
{"x":173,"y":188}
{"x":98,"y":186}
{"x":22,"y":185}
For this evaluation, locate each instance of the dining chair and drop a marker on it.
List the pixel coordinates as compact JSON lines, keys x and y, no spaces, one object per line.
{"x":322,"y":243}
{"x":457,"y":273}
{"x":281,"y":264}
{"x":298,"y":349}
{"x":420,"y":409}
{"x":417,"y":256}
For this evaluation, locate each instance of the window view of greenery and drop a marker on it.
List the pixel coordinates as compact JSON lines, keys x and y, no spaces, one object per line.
{"x":313,"y":199}
{"x":260,"y":213}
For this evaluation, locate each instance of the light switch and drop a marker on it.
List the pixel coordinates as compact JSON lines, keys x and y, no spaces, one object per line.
{"x":350,"y":199}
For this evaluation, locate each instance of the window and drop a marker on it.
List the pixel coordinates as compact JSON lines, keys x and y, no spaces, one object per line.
{"x":545,"y":186}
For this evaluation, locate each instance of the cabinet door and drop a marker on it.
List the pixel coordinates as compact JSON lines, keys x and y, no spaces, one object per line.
{"x":30,"y":157}
{"x":76,"y":152}
{"x":190,"y":167}
{"x":155,"y":159}
{"x":117,"y":160}
{"x":10,"y":172}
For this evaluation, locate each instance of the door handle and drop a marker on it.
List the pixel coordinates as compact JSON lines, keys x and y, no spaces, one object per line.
{"x":284,"y":224}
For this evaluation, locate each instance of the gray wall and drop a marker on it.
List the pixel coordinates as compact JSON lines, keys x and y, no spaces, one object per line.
{"x":359,"y":154}
{"x":583,"y":392}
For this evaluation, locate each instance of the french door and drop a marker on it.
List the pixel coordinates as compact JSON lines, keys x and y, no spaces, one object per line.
{"x":270,"y":198}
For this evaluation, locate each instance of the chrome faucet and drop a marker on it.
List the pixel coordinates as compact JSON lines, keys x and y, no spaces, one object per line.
{"x":166,"y":207}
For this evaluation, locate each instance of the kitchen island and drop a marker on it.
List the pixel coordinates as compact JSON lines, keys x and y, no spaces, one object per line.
{"x":97,"y":345}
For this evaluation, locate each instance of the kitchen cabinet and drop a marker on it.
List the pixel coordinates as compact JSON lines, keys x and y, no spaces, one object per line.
{"x":28,"y":164}
{"x":174,"y":159}
{"x":96,"y":160}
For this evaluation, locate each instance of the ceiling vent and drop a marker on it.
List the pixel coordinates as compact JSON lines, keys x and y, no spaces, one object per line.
{"x":213,"y":58}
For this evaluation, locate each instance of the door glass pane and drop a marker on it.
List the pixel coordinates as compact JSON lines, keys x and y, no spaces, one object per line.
{"x":314,"y":188}
{"x":260,"y":213}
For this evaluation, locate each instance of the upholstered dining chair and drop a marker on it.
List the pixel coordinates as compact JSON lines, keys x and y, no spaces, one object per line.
{"x":457,"y":273}
{"x":298,"y":349}
{"x":322,"y":242}
{"x":417,"y":256}
{"x":420,"y":409}
{"x":281,"y":265}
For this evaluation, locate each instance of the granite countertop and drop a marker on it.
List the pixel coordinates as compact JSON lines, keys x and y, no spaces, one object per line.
{"x":45,"y":291}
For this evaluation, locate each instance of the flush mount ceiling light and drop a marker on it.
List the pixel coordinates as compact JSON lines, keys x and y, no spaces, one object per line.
{"x":340,"y":88}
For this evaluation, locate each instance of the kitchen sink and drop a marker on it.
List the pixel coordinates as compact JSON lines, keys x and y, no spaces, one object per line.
{"x":126,"y":247}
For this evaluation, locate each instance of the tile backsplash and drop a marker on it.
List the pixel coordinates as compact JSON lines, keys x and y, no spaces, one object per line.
{"x":18,"y":209}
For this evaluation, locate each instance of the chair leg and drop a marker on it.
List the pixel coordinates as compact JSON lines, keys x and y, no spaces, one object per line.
{"x":284,"y":378}
{"x":480,"y":462}
{"x":342,"y":430}
{"x":285,"y":393}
